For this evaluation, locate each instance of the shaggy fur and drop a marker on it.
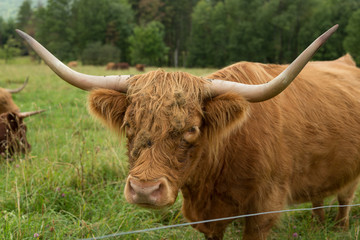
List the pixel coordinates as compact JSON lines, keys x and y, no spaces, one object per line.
{"x":303,"y":145}
{"x":6,"y":102}
{"x":12,"y":135}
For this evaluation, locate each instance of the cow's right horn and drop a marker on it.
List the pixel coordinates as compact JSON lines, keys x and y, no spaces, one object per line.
{"x":80,"y":80}
{"x":16,"y":90}
{"x":262,"y":92}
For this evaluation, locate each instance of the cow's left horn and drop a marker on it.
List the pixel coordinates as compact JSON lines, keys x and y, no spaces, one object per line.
{"x":16,"y":90}
{"x":80,"y":80}
{"x":262,"y":92}
{"x":28,"y":114}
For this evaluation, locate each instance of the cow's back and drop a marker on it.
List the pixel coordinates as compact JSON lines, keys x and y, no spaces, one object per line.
{"x":308,"y":136}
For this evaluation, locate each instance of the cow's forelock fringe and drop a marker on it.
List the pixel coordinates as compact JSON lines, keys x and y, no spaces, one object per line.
{"x":162,"y":100}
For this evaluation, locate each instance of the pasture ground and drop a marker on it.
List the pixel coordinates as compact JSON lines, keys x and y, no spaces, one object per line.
{"x":70,"y":185}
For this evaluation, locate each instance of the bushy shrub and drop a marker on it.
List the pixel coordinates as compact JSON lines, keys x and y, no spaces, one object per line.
{"x":98,"y":54}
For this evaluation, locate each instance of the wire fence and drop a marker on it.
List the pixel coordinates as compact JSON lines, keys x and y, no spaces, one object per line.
{"x":216,"y":220}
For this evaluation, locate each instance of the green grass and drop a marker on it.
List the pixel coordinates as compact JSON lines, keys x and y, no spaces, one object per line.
{"x":70,"y":185}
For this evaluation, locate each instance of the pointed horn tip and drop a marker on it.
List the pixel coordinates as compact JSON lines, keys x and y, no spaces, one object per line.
{"x":22,"y":34}
{"x":29,"y":114}
{"x":329,"y":32}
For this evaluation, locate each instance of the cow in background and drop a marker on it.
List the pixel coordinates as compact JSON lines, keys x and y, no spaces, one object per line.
{"x":12,"y":127}
{"x":123,"y":65}
{"x":227,"y":142}
{"x":110,"y":66}
{"x":72,"y":64}
{"x":13,"y":133}
{"x":140,"y":67}
{"x":117,"y":66}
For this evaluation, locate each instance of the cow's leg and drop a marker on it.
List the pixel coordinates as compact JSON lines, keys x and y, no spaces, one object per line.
{"x":345,"y":197}
{"x":218,"y":237}
{"x":318,"y":214}
{"x":258,"y":227}
{"x":214,"y":230}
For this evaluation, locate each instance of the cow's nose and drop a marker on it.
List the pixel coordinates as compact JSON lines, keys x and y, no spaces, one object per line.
{"x":142,"y":192}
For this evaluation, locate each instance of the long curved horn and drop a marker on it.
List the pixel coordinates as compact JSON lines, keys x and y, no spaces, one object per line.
{"x":262,"y":92}
{"x":80,"y":80}
{"x":16,"y":90}
{"x":28,"y":114}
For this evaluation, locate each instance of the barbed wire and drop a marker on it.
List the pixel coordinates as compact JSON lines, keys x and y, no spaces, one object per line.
{"x":216,"y":220}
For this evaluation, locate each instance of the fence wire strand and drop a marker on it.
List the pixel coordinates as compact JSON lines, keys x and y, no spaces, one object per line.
{"x":216,"y":220}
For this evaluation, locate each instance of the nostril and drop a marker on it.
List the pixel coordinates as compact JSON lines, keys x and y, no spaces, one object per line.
{"x":157,"y":192}
{"x":132,"y":191}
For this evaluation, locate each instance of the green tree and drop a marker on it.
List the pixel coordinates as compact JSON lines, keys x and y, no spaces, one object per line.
{"x":352,"y":40}
{"x":176,"y":17}
{"x":147,"y":44}
{"x":24,"y":15}
{"x":326,"y":14}
{"x":106,"y":21}
{"x":6,"y":30}
{"x":10,"y":50}
{"x":201,"y":44}
{"x":56,"y":28}
{"x":2,"y":31}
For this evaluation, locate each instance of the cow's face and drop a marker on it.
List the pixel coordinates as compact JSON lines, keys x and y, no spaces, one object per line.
{"x":167,"y":121}
{"x":13,"y":134}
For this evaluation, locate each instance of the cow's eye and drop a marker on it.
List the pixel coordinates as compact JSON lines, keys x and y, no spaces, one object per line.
{"x":149,"y":143}
{"x":192,"y":134}
{"x":193,"y":129}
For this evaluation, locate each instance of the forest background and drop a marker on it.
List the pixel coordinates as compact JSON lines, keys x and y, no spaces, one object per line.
{"x":183,"y":33}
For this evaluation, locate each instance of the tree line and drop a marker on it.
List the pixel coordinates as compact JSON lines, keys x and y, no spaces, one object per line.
{"x":184,"y":33}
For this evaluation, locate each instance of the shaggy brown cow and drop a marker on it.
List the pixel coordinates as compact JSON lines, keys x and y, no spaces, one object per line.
{"x":123,"y":65}
{"x":72,"y":64}
{"x":13,"y":133}
{"x":110,"y":66}
{"x":116,"y":66}
{"x":140,"y":67}
{"x":229,"y":144}
{"x":6,"y":102}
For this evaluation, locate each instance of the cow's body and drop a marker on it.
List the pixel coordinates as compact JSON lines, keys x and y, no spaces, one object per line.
{"x":303,"y":145}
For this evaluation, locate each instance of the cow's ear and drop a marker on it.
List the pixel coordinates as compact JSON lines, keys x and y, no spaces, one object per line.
{"x":109,"y":106}
{"x":224,"y":113}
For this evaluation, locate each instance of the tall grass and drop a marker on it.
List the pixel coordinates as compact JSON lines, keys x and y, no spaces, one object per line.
{"x":70,"y":185}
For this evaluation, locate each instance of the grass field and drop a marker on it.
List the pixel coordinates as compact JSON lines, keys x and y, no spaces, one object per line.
{"x":70,"y":185}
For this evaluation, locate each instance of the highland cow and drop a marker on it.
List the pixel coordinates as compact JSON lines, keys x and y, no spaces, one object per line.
{"x":230,"y":141}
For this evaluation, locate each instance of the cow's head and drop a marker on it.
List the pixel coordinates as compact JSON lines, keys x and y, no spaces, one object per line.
{"x":168,"y":118}
{"x":13,"y":133}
